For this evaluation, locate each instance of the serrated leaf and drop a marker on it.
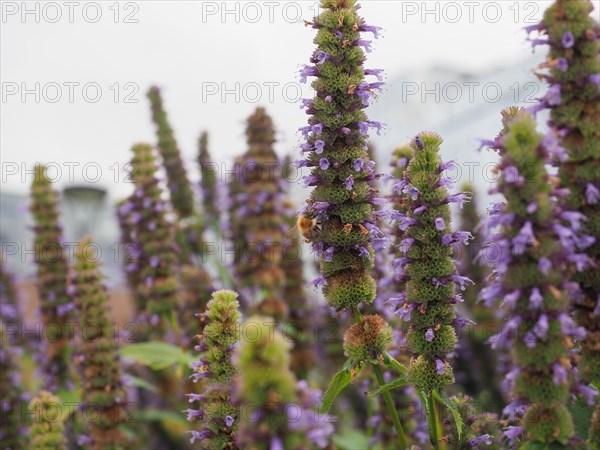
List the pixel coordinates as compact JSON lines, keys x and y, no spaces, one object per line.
{"x":430,"y":420}
{"x":156,"y":355}
{"x":339,"y":381}
{"x":391,"y":363}
{"x":453,"y":410}
{"x":399,"y":382}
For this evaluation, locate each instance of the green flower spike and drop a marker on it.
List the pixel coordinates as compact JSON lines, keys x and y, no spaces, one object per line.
{"x":47,"y":426}
{"x":98,"y":357}
{"x":52,"y":269}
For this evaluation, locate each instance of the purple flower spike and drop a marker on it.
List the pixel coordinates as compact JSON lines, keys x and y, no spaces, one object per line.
{"x":568,"y":40}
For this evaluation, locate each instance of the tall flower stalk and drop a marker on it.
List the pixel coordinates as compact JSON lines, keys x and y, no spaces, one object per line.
{"x":158,"y":282}
{"x":341,"y":172}
{"x":180,"y":191}
{"x":217,"y":414}
{"x":573,"y":35}
{"x":12,"y":404}
{"x":257,"y":222}
{"x":429,"y":271}
{"x":47,"y":427}
{"x":476,"y":361}
{"x":208,"y":180}
{"x":534,"y":238}
{"x":52,"y":269}
{"x":98,"y":357}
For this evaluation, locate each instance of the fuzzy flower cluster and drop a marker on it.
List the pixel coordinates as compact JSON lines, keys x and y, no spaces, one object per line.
{"x":279,"y":412}
{"x":217,"y":412}
{"x":52,"y":269}
{"x":336,"y":152}
{"x":47,"y":425}
{"x":97,"y":355}
{"x":534,"y":238}
{"x":257,"y":226}
{"x":153,"y":236}
{"x":427,"y":267}
{"x":208,"y":180}
{"x":573,"y":98}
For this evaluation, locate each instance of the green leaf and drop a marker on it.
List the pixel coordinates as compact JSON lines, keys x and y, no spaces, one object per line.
{"x":443,"y":397}
{"x":399,"y":382}
{"x":339,"y":381}
{"x":141,"y":383}
{"x":391,"y":363}
{"x":156,"y":355}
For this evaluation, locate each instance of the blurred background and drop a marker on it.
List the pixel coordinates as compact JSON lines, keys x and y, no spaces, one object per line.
{"x":74,"y":79}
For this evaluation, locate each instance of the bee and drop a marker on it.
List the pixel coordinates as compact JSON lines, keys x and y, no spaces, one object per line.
{"x":309,"y":226}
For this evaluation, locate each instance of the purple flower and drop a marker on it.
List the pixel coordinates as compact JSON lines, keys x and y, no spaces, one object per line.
{"x":484,"y":438}
{"x":562,"y":64}
{"x":511,"y":176}
{"x":531,"y":208}
{"x":200,"y":435}
{"x":553,"y":95}
{"x":595,"y":79}
{"x":308,"y":71}
{"x":192,"y":414}
{"x":591,"y":194}
{"x":439,"y":224}
{"x":229,"y":421}
{"x":328,"y":254}
{"x":523,"y":238}
{"x":359,"y":165}
{"x":317,"y":128}
{"x":536,"y":42}
{"x":302,"y":163}
{"x":544,"y":264}
{"x":429,"y":335}
{"x":405,"y":311}
{"x":569,"y":327}
{"x":588,"y":392}
{"x":535,"y":299}
{"x":406,"y":222}
{"x":365,"y":44}
{"x":461,"y":198}
{"x":568,"y":40}
{"x":324,"y":164}
{"x":154,"y":261}
{"x":420,"y":210}
{"x":319,"y":282}
{"x":512,"y":433}
{"x":349,"y":183}
{"x":406,"y":244}
{"x":440,"y":367}
{"x":375,"y":72}
{"x":196,"y":397}
{"x":371,"y":29}
{"x":460,"y":280}
{"x":322,"y":57}
{"x":363,"y":252}
{"x":541,"y":327}
{"x":559,"y":374}
{"x":363,"y":128}
{"x":319,"y":146}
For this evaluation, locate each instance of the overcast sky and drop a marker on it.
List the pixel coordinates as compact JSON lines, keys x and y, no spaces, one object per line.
{"x":194,"y":51}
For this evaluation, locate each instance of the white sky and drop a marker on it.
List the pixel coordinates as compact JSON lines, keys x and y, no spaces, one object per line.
{"x":186,"y":50}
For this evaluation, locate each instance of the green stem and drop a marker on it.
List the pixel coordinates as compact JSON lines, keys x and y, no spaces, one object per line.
{"x":390,"y":407}
{"x":435,"y":424}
